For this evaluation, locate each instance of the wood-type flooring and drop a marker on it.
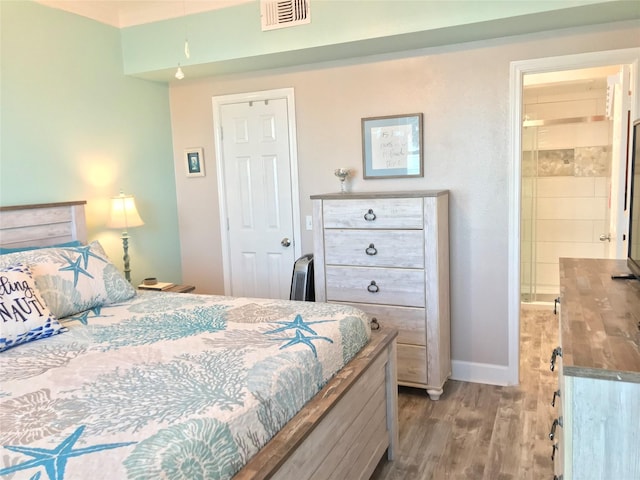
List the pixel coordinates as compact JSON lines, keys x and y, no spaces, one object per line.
{"x":483,"y":432}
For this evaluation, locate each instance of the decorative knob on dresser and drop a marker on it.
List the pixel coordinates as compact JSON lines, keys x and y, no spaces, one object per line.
{"x":372,"y":287}
{"x":554,"y":449}
{"x":557,"y":352}
{"x":371,"y":250}
{"x":370,"y":216}
{"x":556,"y":423}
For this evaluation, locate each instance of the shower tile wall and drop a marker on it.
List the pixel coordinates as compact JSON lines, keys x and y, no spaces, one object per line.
{"x":565,"y":186}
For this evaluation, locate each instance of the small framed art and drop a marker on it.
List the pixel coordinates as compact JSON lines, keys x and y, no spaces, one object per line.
{"x":194,"y":159}
{"x":392,"y":146}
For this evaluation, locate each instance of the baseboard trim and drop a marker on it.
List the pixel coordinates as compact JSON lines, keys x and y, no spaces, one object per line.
{"x":480,"y":373}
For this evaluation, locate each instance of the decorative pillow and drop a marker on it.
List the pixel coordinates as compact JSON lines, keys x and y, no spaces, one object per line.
{"x":74,"y":279}
{"x":24,"y":316}
{"x":73,"y":243}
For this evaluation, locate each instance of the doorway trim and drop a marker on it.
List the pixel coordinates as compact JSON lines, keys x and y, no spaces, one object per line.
{"x":517,"y":70}
{"x":219,"y":101}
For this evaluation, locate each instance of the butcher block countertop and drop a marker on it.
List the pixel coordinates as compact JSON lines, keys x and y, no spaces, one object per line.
{"x":599,"y":320}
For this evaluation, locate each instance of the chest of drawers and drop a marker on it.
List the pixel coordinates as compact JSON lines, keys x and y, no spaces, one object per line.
{"x":388,"y":254}
{"x":596,"y":432}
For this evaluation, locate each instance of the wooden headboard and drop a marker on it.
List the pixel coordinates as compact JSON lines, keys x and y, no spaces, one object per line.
{"x":43,"y":224}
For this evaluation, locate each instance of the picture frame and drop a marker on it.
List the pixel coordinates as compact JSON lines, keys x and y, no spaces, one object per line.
{"x":392,"y":146}
{"x":194,"y":162}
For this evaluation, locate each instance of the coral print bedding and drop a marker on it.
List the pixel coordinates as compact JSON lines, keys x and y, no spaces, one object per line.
{"x":161,"y":385}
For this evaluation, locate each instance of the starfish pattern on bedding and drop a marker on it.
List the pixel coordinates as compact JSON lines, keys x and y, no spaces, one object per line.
{"x":55,"y":460}
{"x":83,"y":317}
{"x":74,"y":266}
{"x":298,"y":324}
{"x":301,"y":338}
{"x":85,"y":252}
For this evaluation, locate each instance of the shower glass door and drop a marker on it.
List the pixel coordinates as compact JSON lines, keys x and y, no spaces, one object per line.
{"x":528,"y":214}
{"x":566,"y":185}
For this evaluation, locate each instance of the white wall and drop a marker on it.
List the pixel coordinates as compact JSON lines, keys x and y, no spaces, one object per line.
{"x":463,"y":91}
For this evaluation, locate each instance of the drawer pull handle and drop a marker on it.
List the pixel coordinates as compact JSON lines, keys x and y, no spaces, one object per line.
{"x":557,"y":352}
{"x":370,"y":216}
{"x":372,"y":287}
{"x":371,"y":250}
{"x":374,"y":324}
{"x":555,"y":395}
{"x":554,"y":449}
{"x":556,"y":423}
{"x":556,"y":302}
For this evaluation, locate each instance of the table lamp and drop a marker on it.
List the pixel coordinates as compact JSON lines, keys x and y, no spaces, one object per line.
{"x":123,"y":214}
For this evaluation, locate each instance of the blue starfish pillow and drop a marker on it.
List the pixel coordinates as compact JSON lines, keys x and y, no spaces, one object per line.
{"x":24,"y":315}
{"x":74,"y":279}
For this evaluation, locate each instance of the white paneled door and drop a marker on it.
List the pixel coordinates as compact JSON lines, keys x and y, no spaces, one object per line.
{"x":257,"y":175}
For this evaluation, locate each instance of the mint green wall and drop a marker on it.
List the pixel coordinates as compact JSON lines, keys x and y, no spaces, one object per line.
{"x":74,"y":127}
{"x":231,"y":40}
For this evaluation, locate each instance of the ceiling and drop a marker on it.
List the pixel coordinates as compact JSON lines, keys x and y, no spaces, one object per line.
{"x":449,"y":31}
{"x":126,"y":13}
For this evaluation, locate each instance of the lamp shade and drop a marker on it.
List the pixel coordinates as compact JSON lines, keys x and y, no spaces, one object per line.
{"x":123,"y":212}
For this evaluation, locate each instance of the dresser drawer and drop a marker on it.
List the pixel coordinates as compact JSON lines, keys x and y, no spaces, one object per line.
{"x":405,"y":213}
{"x":375,"y":248}
{"x":409,"y":321}
{"x":412,"y":364}
{"x":389,"y":286}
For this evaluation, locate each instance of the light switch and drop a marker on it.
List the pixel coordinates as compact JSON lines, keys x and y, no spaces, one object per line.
{"x":309,"y":222}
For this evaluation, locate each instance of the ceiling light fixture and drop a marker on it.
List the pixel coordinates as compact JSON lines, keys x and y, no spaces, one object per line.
{"x":179,"y":73}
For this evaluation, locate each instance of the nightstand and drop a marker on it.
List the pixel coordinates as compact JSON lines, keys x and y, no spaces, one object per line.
{"x":180,"y":289}
{"x":174,"y":289}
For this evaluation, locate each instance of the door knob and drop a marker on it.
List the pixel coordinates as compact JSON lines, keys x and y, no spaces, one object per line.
{"x":605,"y":236}
{"x":285,"y":242}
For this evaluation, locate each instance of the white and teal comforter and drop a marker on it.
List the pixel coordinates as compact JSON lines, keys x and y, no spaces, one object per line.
{"x":166,"y":386}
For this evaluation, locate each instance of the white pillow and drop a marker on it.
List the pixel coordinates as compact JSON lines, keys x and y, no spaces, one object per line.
{"x":24,"y":315}
{"x":74,"y":279}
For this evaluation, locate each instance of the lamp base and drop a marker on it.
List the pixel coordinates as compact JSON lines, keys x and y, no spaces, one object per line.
{"x":125,"y":258}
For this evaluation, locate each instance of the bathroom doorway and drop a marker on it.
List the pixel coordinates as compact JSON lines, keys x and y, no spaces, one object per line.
{"x":519,"y":71}
{"x":574,"y":133}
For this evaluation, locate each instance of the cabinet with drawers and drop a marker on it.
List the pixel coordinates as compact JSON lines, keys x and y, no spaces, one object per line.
{"x":596,"y":432}
{"x":388,"y":254}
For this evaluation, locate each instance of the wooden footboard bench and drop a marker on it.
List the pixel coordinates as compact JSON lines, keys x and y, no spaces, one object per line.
{"x":344,"y":431}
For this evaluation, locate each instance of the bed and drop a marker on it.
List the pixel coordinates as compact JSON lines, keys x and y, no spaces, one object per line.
{"x":146,"y":385}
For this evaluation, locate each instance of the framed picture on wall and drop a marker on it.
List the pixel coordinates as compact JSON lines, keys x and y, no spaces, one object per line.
{"x":392,"y":146}
{"x":194,"y":161}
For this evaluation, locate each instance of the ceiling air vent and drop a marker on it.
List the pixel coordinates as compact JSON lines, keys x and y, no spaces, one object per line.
{"x":283,"y":13}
